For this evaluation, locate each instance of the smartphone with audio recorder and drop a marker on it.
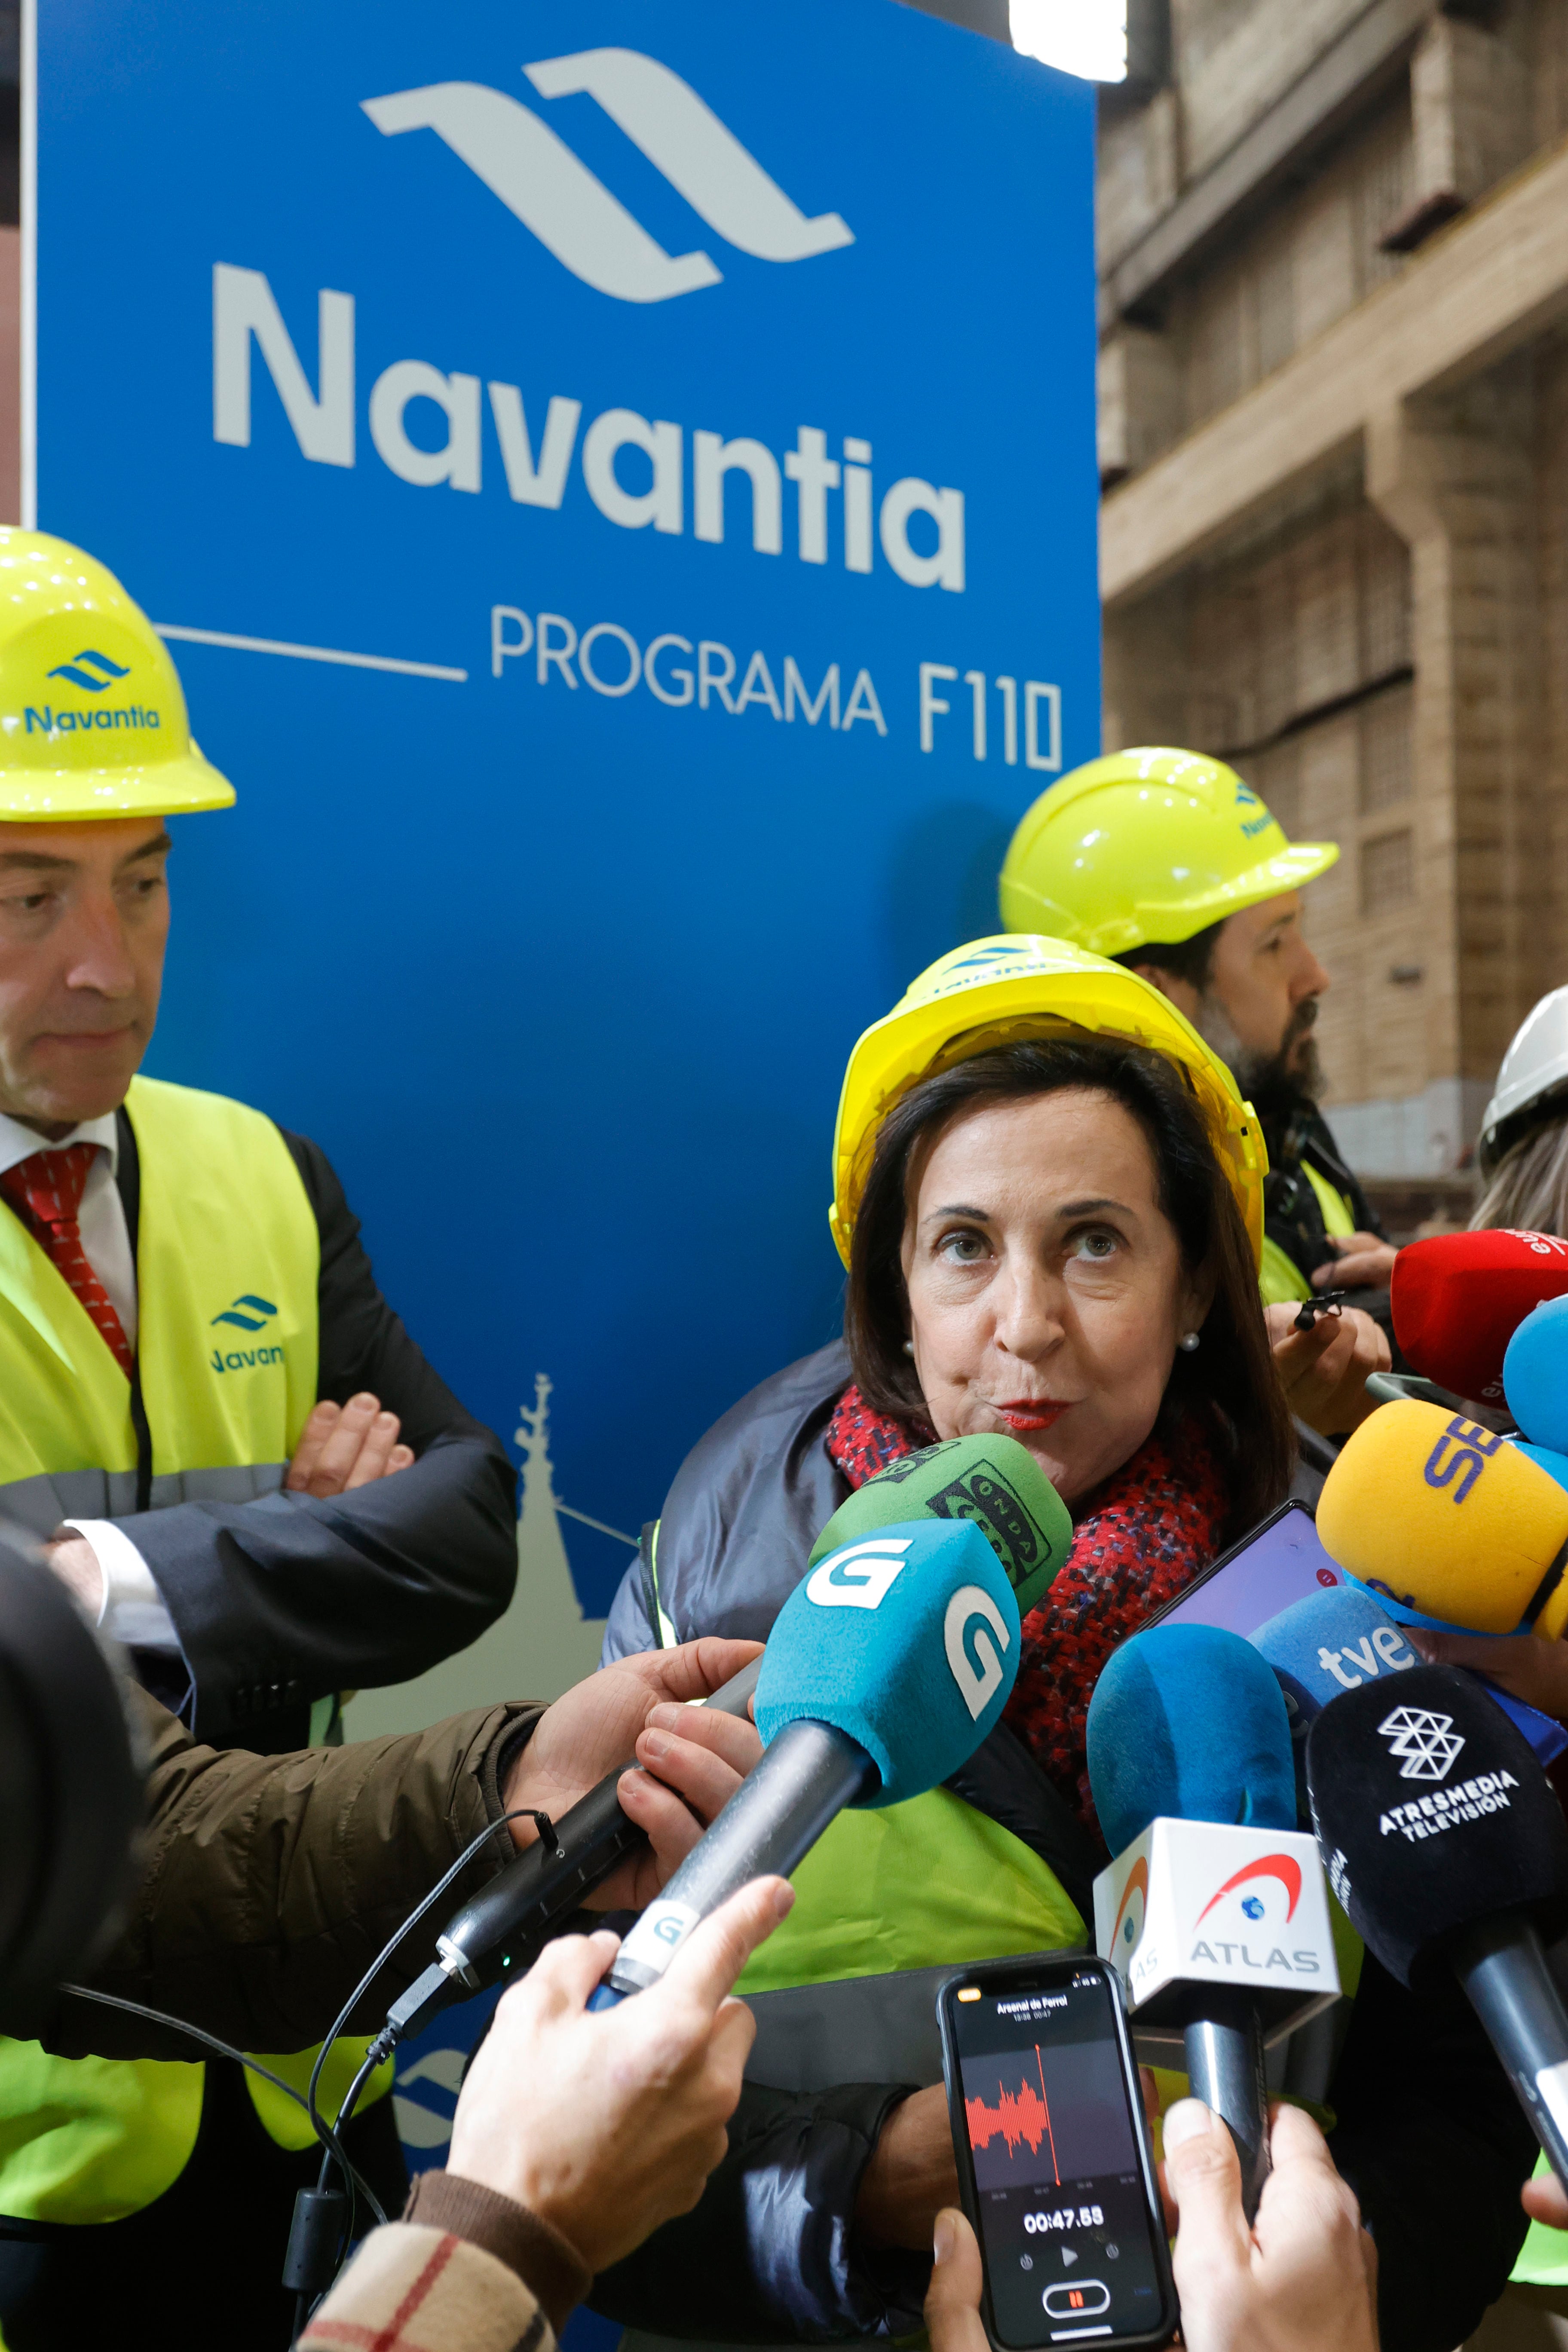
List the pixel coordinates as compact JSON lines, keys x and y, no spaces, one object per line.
{"x":1055,"y":2162}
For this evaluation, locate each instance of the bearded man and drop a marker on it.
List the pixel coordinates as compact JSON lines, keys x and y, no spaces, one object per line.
{"x":1168,"y":862}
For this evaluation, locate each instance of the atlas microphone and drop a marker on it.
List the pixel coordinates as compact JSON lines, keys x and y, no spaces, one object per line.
{"x":886,"y":1668}
{"x":1447,"y":1847}
{"x":1214,"y":1912}
{"x":1458,"y":1298}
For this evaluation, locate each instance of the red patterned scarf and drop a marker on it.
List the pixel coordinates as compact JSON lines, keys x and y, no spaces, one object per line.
{"x":1150,"y":1528}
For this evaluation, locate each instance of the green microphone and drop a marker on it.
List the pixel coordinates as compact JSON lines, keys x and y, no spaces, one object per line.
{"x":993,"y":1481}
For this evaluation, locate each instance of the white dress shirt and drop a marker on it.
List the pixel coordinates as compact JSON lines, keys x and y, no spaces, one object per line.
{"x":132,"y":1609}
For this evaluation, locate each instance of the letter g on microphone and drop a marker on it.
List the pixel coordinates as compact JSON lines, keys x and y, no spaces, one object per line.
{"x":972,"y":1617}
{"x":906,"y":1640}
{"x":860,"y":1576}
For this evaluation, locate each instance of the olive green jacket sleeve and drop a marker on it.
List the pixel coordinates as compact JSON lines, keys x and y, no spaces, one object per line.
{"x":270,"y":1883}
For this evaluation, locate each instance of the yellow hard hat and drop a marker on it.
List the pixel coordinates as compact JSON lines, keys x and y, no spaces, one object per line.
{"x":999,"y":991}
{"x":90,"y":705}
{"x":1148,"y":845}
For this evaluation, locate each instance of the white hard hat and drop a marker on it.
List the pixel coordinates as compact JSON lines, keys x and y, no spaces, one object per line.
{"x":1535,"y":1063}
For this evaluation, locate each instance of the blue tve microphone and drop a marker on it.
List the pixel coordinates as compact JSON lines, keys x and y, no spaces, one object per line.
{"x":1330,"y":1643}
{"x":886,"y":1668}
{"x":1188,"y":1723}
{"x":1339,"y":1641}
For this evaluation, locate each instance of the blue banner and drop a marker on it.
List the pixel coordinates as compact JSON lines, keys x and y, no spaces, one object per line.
{"x":619,"y":485}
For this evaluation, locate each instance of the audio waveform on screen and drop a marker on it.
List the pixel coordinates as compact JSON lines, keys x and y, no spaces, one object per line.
{"x":1018,"y":2116}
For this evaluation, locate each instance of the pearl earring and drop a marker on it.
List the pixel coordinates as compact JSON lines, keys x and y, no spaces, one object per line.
{"x":908,"y":1347}
{"x":1188,"y":1342}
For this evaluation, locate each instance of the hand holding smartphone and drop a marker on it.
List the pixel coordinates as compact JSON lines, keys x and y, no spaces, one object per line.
{"x":1054,"y":2158}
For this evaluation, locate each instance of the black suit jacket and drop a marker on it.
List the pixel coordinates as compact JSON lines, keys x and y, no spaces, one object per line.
{"x":280,"y":1601}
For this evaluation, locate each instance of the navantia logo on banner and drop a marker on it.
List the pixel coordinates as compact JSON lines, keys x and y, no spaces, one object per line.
{"x":588,"y":229}
{"x":572,"y":213}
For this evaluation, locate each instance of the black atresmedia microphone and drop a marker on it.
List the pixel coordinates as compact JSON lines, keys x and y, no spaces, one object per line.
{"x":1447,"y":1845}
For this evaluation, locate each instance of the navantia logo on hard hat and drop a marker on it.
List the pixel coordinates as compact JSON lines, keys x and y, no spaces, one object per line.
{"x":92,"y":716}
{"x":1148,"y":845}
{"x":521,"y":159}
{"x":93,"y":669}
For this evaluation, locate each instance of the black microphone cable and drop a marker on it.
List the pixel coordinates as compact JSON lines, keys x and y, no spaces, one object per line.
{"x":306,"y":2248}
{"x":320,"y":2240}
{"x":227,"y":2050}
{"x":386,"y":2041}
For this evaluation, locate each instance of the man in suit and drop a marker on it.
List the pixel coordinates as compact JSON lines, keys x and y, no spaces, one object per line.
{"x":244,"y":1468}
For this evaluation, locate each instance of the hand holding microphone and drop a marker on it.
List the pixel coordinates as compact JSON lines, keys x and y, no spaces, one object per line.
{"x":653,"y":1708}
{"x":858,"y":1703}
{"x":607,"y":2128}
{"x":1323,"y":1370}
{"x":885,"y":1669}
{"x":992,"y":1483}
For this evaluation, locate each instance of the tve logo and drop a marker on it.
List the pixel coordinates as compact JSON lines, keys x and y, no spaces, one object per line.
{"x":572,"y":213}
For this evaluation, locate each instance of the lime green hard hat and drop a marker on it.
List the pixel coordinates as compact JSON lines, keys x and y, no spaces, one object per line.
{"x":92,"y":715}
{"x":1148,"y":845}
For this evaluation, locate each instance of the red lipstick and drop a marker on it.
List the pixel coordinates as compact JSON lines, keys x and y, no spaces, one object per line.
{"x":1030,"y":1412}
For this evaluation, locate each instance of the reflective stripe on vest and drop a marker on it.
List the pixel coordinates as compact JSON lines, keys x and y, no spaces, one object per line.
{"x":225,"y":1229}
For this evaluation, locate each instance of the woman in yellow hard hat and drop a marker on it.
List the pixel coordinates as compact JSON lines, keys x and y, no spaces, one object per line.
{"x":1048,"y":1190}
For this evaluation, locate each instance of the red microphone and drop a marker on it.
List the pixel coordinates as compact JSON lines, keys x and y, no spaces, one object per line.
{"x":1458,"y":1298}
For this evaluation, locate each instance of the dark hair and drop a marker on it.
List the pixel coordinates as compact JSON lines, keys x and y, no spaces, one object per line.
{"x":1229,"y":1383}
{"x":1189,"y":960}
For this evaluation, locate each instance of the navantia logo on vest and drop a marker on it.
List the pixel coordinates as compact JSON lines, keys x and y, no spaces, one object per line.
{"x":249,"y":1313}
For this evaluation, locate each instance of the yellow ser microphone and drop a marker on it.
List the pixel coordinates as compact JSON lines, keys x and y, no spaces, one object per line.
{"x":1429,"y":1510}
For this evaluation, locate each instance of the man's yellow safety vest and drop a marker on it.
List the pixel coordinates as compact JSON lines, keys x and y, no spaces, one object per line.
{"x":224,"y":1215}
{"x":1279,"y":1278}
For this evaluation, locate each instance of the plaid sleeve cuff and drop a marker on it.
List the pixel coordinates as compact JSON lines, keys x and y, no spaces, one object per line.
{"x":551,"y":2269}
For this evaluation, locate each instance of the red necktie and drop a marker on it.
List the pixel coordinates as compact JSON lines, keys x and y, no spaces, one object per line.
{"x":47,"y":1189}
